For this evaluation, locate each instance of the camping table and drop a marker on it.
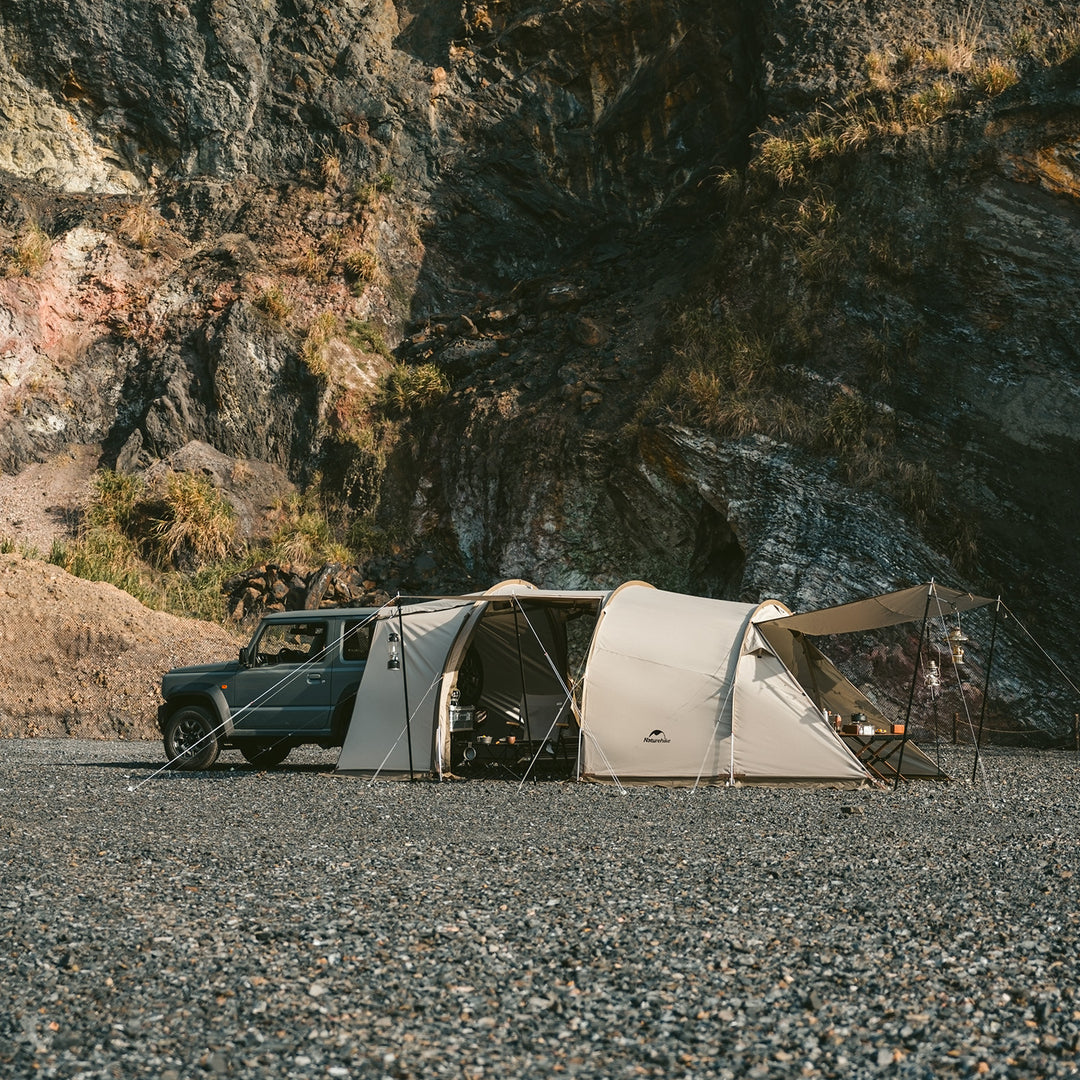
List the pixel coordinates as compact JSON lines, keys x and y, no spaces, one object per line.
{"x":877,"y":752}
{"x":502,"y":755}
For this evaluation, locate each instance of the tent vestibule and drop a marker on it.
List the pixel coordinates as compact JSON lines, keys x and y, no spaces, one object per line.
{"x":501,"y":659}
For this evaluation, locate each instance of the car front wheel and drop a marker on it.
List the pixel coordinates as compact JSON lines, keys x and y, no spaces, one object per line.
{"x":191,"y":740}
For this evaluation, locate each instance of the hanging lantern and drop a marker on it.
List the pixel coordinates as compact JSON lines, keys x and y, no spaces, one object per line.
{"x":956,"y":640}
{"x":932,"y":678}
{"x":393,"y":654}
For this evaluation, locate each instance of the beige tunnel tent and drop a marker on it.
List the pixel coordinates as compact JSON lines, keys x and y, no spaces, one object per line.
{"x":675,"y":688}
{"x":685,"y":689}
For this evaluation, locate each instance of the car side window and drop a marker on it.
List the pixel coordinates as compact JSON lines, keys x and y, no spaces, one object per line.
{"x":291,"y":643}
{"x":357,"y":640}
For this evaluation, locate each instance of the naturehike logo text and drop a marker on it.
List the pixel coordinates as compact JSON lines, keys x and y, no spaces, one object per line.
{"x":656,"y":736}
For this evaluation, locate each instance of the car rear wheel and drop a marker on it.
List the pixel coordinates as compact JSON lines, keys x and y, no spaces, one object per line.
{"x":265,"y":755}
{"x":191,"y":740}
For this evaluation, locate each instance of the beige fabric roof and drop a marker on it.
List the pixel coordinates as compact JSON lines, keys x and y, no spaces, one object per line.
{"x":890,"y":609}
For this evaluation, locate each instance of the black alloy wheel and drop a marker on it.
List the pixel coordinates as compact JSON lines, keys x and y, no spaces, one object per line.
{"x":191,"y":740}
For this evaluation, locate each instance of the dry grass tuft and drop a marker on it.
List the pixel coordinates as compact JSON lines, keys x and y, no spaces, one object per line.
{"x":272,"y":303}
{"x":408,"y":388}
{"x":313,"y":351}
{"x":995,"y":77}
{"x":142,"y":225}
{"x":199,"y":525}
{"x":31,"y":249}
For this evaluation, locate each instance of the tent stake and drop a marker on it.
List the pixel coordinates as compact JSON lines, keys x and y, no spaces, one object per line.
{"x":911,"y":693}
{"x":986,"y":690}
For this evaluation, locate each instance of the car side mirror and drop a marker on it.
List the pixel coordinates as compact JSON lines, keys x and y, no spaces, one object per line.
{"x":244,"y":662}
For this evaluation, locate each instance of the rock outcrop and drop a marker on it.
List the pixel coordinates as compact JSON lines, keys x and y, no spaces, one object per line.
{"x":224,"y":223}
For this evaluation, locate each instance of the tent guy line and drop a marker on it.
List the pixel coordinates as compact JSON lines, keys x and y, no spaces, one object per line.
{"x":1047,"y":656}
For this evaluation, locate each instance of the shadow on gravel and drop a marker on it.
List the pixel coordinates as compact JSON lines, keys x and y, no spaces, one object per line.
{"x":221,"y":770}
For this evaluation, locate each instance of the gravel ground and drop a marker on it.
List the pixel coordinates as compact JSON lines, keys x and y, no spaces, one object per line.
{"x":294,"y":924}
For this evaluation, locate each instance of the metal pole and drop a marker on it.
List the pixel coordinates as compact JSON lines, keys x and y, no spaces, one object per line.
{"x":405,"y":691}
{"x":521,"y":672}
{"x":911,"y":693}
{"x":937,"y":734}
{"x":986,"y":689}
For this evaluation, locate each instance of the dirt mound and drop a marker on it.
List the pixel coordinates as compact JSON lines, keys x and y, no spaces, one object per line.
{"x":85,"y":658}
{"x":42,"y":503}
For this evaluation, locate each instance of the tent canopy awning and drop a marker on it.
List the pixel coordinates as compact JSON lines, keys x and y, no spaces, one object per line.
{"x":889,"y":609}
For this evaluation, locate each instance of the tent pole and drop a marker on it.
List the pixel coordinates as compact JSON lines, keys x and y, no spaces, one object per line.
{"x":986,"y":689}
{"x":810,"y":665}
{"x":911,"y":693}
{"x":521,"y":673}
{"x":405,"y":690}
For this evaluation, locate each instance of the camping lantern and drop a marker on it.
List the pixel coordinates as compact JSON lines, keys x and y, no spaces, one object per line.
{"x":956,"y":640}
{"x":932,"y":678}
{"x":393,"y":656}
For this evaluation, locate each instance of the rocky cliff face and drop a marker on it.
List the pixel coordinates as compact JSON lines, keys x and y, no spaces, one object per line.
{"x":858,"y":220}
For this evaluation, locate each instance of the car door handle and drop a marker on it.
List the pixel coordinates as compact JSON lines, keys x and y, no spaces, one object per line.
{"x":315,"y":678}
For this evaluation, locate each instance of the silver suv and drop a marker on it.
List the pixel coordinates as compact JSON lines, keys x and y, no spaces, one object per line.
{"x":294,"y":683}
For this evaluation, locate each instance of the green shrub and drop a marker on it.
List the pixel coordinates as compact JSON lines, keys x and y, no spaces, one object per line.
{"x":305,"y":535}
{"x":199,"y":524}
{"x":367,"y":337}
{"x":104,"y":553}
{"x":407,"y":389}
{"x":174,"y":549}
{"x":114,"y":498}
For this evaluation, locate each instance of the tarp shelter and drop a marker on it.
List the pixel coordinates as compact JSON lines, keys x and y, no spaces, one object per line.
{"x":675,"y":688}
{"x":789,"y":636}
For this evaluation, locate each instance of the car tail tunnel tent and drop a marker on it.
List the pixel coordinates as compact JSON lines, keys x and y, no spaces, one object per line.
{"x":631,"y":685}
{"x":469,"y":674}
